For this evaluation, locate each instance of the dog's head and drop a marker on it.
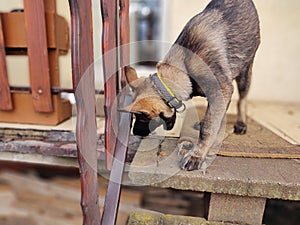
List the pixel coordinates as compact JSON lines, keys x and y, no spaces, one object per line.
{"x":149,"y":109}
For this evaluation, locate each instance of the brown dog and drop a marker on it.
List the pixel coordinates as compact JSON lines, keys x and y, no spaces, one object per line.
{"x":215,"y":47}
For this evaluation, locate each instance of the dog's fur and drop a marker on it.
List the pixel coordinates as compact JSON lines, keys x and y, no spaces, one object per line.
{"x":215,"y":47}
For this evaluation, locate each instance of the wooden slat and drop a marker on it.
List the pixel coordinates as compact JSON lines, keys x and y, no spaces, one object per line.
{"x":109,"y":51}
{"x":124,"y":39}
{"x":23,"y":111}
{"x":86,"y":129}
{"x":53,"y":55}
{"x":44,"y":148}
{"x":57,"y":30}
{"x":5,"y":96}
{"x":50,"y":6}
{"x":35,"y":24}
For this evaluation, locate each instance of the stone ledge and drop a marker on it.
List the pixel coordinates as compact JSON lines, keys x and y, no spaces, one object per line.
{"x":153,"y":218}
{"x":258,"y":164}
{"x":253,"y":177}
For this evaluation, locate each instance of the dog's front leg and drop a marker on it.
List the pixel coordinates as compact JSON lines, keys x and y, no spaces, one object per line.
{"x":199,"y":156}
{"x":196,"y":157}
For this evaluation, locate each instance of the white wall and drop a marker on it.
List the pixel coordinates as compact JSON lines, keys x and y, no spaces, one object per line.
{"x":277,"y":65}
{"x":276,"y":70}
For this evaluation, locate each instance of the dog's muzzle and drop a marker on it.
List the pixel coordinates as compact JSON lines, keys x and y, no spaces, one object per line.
{"x":144,"y":125}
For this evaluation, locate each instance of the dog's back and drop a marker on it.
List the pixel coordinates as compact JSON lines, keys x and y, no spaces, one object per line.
{"x":225,"y":34}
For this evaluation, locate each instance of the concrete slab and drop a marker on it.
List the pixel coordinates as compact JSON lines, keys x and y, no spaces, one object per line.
{"x":259,"y":141}
{"x":258,"y":166}
{"x":254,"y":177}
{"x":153,"y":218}
{"x":244,"y":210}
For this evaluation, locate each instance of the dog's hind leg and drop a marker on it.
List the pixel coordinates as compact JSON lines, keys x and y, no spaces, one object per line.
{"x":243,"y":83}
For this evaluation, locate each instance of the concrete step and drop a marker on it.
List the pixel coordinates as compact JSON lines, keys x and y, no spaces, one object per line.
{"x":153,"y":218}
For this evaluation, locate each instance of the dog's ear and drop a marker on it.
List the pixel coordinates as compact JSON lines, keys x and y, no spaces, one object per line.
{"x":131,"y":77}
{"x":158,"y":65}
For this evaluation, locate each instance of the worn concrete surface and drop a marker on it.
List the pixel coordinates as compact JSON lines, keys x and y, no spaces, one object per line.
{"x":259,"y":141}
{"x":267,"y":178}
{"x":256,"y":177}
{"x":258,"y":165}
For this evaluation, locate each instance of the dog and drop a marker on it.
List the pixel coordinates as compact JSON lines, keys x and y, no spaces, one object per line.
{"x":216,"y":46}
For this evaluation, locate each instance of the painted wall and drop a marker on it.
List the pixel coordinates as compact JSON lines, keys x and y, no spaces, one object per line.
{"x":277,"y":66}
{"x":276,"y":72}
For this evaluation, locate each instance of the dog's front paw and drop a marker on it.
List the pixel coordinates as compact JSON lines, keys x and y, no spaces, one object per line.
{"x":192,"y":159}
{"x":190,"y":162}
{"x":185,"y":145}
{"x":198,"y":125}
{"x":240,"y":127}
{"x":197,"y":159}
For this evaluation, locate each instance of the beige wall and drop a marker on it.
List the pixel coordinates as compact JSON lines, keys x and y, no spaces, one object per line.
{"x":277,"y":65}
{"x":276,"y":72}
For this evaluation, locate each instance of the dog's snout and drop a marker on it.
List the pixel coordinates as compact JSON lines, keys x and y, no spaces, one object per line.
{"x":168,"y":122}
{"x":143,"y":127}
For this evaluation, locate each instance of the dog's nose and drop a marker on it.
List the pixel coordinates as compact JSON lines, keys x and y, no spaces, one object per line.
{"x":168,"y":123}
{"x":143,"y":129}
